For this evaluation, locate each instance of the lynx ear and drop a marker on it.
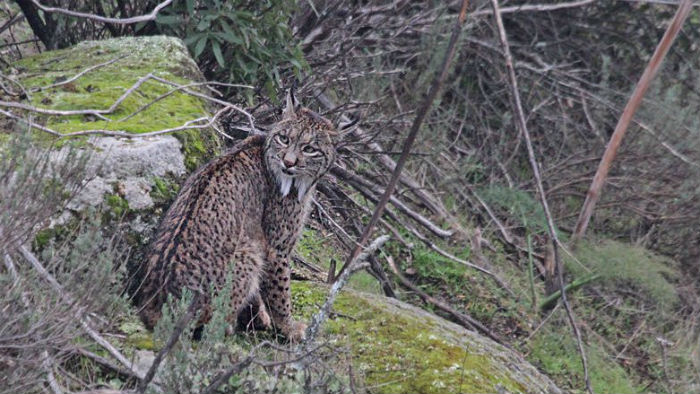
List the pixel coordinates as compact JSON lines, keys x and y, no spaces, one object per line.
{"x":345,"y":126}
{"x":291,"y":105}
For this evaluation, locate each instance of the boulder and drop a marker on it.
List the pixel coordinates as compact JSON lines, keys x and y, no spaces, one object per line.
{"x":123,"y":174}
{"x":395,"y":347}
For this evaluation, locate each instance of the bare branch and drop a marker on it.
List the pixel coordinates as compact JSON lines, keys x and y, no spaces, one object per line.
{"x":635,"y":100}
{"x":84,"y":322}
{"x":356,"y":264}
{"x":536,"y":7}
{"x":174,"y":337}
{"x":78,"y":75}
{"x":413,"y":133}
{"x":50,"y":378}
{"x":123,"y":372}
{"x":464,"y":319}
{"x":118,"y":21}
{"x":101,"y":112}
{"x":522,"y":125}
{"x":360,"y":182}
{"x":110,"y":133}
{"x":179,"y":88}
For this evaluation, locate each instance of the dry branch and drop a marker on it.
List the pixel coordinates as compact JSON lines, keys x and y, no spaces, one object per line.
{"x":413,"y":133}
{"x":463,"y":319}
{"x":210,"y":121}
{"x":371,"y":189}
{"x":84,"y":320}
{"x":522,"y":125}
{"x":536,"y":8}
{"x":118,"y":21}
{"x":78,"y":75}
{"x":356,"y":264}
{"x":432,"y":203}
{"x":635,"y":100}
{"x":180,"y":326}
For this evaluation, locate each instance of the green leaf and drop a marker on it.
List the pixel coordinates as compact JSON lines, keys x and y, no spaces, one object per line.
{"x":216,"y":47}
{"x":229,"y":35}
{"x":297,"y":65}
{"x":204,"y":24}
{"x":193,"y":38}
{"x":199,"y":48}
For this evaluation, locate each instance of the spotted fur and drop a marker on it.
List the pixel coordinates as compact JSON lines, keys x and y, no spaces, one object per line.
{"x":242,"y":214}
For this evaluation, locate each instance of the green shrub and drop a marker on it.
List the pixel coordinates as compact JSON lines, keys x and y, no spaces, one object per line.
{"x":236,"y":41}
{"x":624,"y":264}
{"x":518,"y":205}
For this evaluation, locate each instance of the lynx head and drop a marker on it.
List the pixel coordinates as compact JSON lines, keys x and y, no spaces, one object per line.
{"x":299,"y":148}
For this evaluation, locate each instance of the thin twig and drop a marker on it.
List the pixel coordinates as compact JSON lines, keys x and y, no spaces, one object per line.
{"x":356,"y":264}
{"x":111,"y":133}
{"x":118,"y":21}
{"x":123,"y":372}
{"x":536,"y":8}
{"x":78,"y":75}
{"x":46,"y":363}
{"x":177,"y":89}
{"x":413,"y":133}
{"x":234,"y":369}
{"x":84,"y":322}
{"x":102,"y":112}
{"x":97,"y":112}
{"x":522,"y":125}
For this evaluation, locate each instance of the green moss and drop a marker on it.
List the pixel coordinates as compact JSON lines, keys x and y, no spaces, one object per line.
{"x":137,"y":336}
{"x":118,"y":205}
{"x":399,"y":353}
{"x":163,"y":57}
{"x":141,"y":341}
{"x":197,"y":147}
{"x":315,"y":248}
{"x":46,"y":236}
{"x":164,"y":189}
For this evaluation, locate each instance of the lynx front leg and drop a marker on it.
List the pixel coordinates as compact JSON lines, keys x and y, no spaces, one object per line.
{"x":254,"y":315}
{"x":277,"y":295}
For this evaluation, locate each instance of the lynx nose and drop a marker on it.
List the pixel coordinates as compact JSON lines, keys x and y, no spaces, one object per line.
{"x":289,"y":160}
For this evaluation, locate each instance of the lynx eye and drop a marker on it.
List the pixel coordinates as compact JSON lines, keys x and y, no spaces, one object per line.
{"x":309,"y":150}
{"x":283,"y":139}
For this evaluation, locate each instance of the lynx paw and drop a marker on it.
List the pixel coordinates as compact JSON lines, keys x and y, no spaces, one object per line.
{"x":262,"y":319}
{"x":295,"y":331}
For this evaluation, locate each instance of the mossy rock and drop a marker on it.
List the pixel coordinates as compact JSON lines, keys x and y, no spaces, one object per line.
{"x":399,"y":348}
{"x":135,"y":58}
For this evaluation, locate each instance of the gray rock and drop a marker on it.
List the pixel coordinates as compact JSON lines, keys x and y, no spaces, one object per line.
{"x":127,"y":167}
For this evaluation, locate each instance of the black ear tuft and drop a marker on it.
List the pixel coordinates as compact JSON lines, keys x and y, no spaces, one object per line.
{"x":345,"y":125}
{"x":291,"y":105}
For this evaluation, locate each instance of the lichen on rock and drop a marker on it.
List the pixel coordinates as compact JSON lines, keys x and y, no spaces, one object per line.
{"x":140,"y":112}
{"x":122,"y":168}
{"x":399,"y":348}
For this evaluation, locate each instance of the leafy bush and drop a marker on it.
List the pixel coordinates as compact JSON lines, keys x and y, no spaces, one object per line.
{"x":236,"y":41}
